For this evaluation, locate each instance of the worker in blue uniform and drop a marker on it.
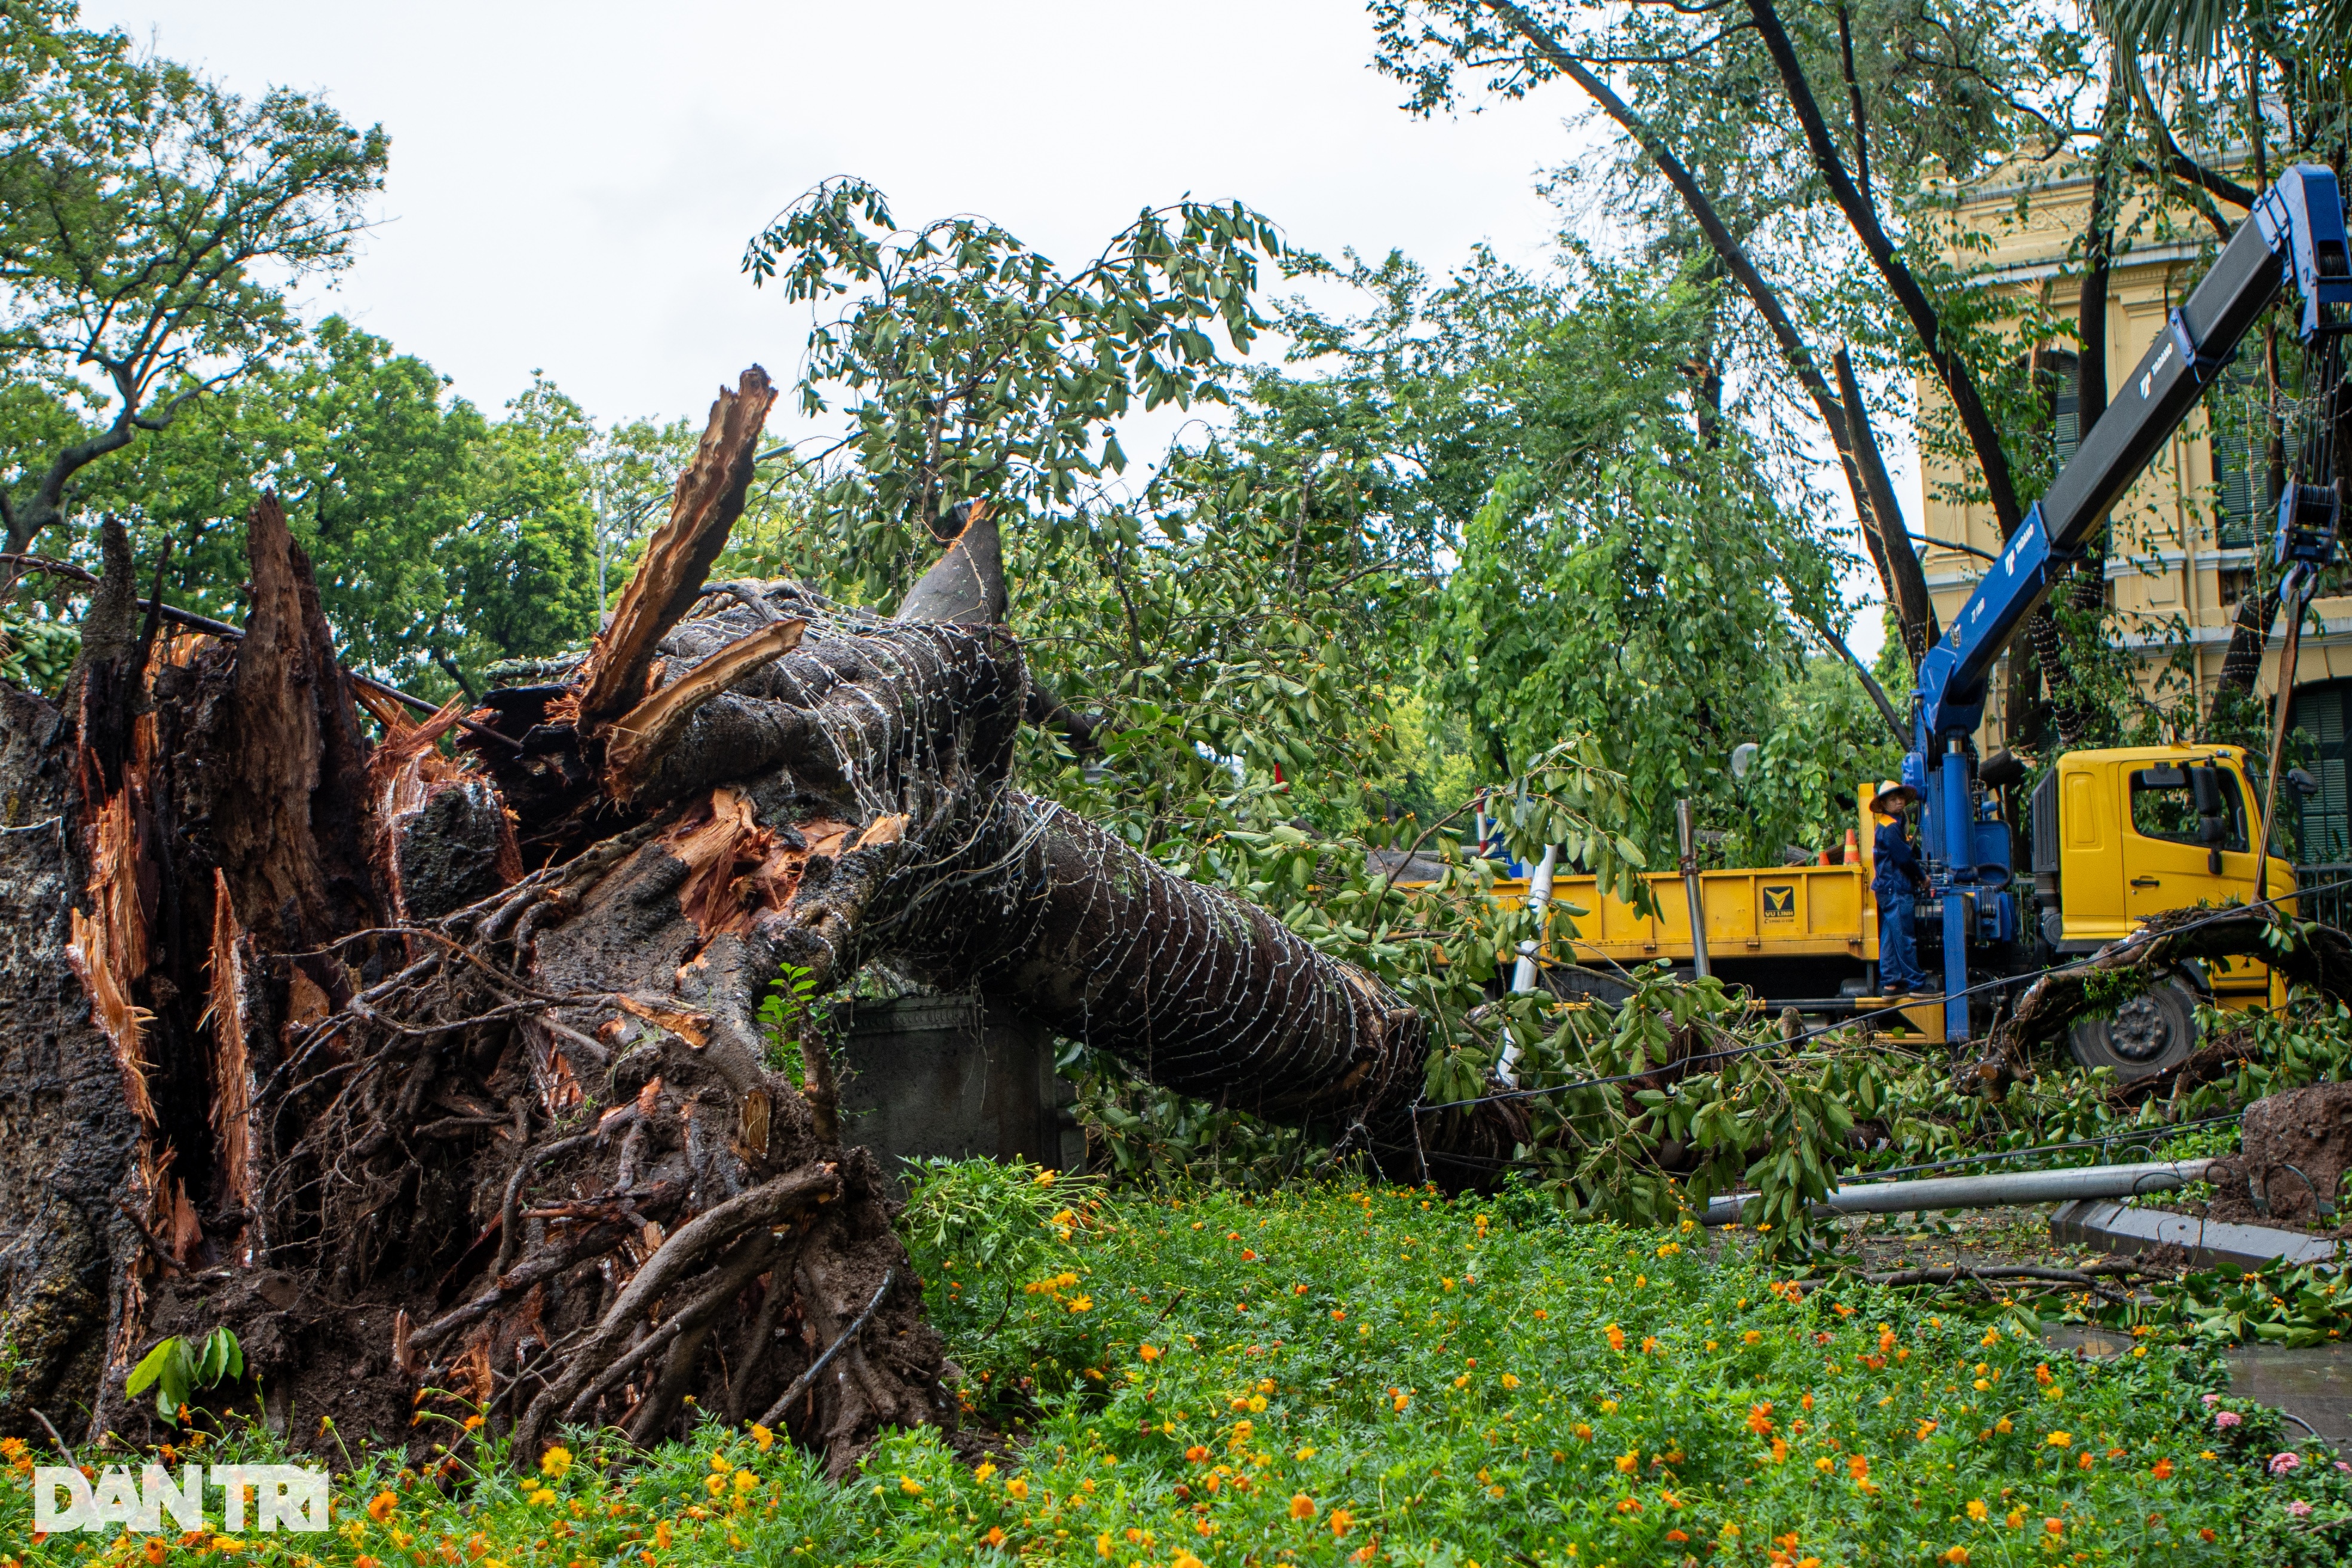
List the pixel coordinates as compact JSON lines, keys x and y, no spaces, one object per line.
{"x":1896,"y":879}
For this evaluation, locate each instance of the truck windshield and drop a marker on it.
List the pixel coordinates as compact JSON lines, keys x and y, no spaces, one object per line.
{"x":2164,"y":805}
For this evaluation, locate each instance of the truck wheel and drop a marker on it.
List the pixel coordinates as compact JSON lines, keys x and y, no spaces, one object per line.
{"x":2152,"y":1031}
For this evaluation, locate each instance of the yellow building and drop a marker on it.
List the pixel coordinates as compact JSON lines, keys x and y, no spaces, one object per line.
{"x":2185,"y":541}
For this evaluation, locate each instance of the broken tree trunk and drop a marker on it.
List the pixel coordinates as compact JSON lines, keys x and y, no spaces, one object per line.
{"x":423,"y":1070}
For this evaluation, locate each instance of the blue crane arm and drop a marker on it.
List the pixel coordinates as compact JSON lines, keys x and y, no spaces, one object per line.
{"x":2296,"y":231}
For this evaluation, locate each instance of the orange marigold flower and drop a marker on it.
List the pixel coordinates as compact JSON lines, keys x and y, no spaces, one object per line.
{"x":1630,"y":1460}
{"x":1016,"y":1488}
{"x":380,"y":1505}
{"x":1629,"y":1505}
{"x":1616,"y":1337}
{"x":1341,"y":1519}
{"x":1676,"y":1536}
{"x":1302,"y":1506}
{"x":2161,"y":1470}
{"x":1149,"y":1352}
{"x":1858,"y":1467}
{"x":1196,"y":1454}
{"x":2054,"y":1526}
{"x":1752,"y":1337}
{"x":995,"y":1536}
{"x":1760,"y":1419}
{"x":1649,"y":1344}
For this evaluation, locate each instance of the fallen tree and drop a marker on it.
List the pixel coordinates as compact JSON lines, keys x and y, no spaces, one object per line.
{"x":427,"y":1068}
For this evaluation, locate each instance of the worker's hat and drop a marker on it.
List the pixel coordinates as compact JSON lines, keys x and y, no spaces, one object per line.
{"x":1892,"y":797}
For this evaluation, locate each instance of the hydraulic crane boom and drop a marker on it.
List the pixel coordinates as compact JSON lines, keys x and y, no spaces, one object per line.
{"x":2296,"y":231}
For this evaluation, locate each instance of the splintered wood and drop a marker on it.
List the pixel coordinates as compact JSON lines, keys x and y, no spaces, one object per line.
{"x":678,"y":558}
{"x":738,"y":869}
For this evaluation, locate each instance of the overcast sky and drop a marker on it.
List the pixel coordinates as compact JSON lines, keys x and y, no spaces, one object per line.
{"x":571,"y":185}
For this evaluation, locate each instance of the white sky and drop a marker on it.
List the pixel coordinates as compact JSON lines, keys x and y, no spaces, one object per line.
{"x":571,"y":185}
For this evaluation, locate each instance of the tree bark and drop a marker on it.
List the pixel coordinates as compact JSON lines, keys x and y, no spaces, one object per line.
{"x":432,"y":1070}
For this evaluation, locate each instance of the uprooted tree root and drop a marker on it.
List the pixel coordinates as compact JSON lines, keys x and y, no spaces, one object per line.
{"x":436,"y":1075}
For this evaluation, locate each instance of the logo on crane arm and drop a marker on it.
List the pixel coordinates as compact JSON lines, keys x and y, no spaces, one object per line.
{"x":2149,"y":380}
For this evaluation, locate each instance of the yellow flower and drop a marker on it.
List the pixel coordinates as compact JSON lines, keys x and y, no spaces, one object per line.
{"x":1751,"y":1338}
{"x":1669,"y":1249}
{"x":2016,"y":1519}
{"x":555,"y":1462}
{"x":1511,"y":1380}
{"x":1045,"y":1179}
{"x":987,"y":1468}
{"x":1977,"y":1510}
{"x":2002,"y":1426}
{"x":763,"y":1436}
{"x":745,"y":1480}
{"x":1082,"y":1304}
{"x":2059,"y":1439}
{"x":1102,"y":1544}
{"x":1016,"y":1488}
{"x":473,"y":1423}
{"x":1186,"y":1560}
{"x":1630,"y":1460}
{"x":1584,"y":1432}
{"x":910,"y":1485}
{"x":714,"y":1484}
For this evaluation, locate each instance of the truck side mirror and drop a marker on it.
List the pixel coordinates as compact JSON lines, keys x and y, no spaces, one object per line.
{"x":2213,"y":816}
{"x":2205,"y":784}
{"x":2302,"y":783}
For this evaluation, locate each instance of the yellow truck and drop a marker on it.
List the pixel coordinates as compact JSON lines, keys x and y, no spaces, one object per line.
{"x":2117,"y":835}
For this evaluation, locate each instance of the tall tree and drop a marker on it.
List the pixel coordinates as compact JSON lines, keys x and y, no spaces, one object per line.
{"x":150,"y":224}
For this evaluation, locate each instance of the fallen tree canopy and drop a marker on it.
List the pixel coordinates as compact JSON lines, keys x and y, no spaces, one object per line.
{"x":424,"y":1070}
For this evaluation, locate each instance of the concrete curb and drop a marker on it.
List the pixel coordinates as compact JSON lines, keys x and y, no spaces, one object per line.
{"x":2113,"y":1228}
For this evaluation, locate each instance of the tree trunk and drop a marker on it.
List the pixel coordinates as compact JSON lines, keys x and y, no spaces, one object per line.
{"x":420,"y":1069}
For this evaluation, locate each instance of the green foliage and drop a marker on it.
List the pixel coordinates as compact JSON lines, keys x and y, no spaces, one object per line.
{"x":974,"y":368}
{"x":439,"y":538}
{"x":993,"y":1220}
{"x":795,"y":1020}
{"x":37,"y":653}
{"x":2291,"y":1307}
{"x":1399,"y":1357}
{"x":177,"y":1368}
{"x":151,"y":225}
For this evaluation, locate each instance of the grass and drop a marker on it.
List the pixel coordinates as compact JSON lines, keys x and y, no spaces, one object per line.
{"x":1337,"y":1376}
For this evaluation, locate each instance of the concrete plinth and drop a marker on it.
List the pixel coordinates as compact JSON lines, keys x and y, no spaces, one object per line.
{"x":947,"y":1076}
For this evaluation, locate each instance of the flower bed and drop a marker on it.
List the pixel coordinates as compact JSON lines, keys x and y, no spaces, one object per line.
{"x":1340,"y":1376}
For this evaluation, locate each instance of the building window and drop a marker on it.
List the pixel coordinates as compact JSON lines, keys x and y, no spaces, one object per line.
{"x":2323,"y":826}
{"x":2245,"y":502}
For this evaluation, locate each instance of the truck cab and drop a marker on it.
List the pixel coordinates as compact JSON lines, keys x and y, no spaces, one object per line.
{"x":2125,"y":833}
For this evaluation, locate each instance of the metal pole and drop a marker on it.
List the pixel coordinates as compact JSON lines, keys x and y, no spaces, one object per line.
{"x":2292,"y":594}
{"x":1688,"y":841}
{"x":1523,"y":978}
{"x":1988,"y":1192}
